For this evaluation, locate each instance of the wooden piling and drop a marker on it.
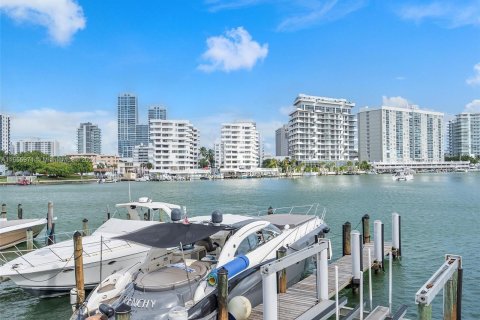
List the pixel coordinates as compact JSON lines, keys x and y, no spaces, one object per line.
{"x":51,"y":235}
{"x":49,"y":216}
{"x":459,"y":291}
{"x":20,"y":211}
{"x":222,"y":294}
{"x":282,"y":275}
{"x":3,"y":214}
{"x":346,"y":229}
{"x":366,"y":228}
{"x":29,"y":239}
{"x":85,"y":230}
{"x":78,"y":259}
{"x":450,"y":298}
{"x":424,"y":312}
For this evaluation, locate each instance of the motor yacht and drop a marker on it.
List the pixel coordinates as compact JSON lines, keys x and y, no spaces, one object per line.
{"x":49,"y":271}
{"x":184,"y":274}
{"x":403,"y":175}
{"x":13,"y":232}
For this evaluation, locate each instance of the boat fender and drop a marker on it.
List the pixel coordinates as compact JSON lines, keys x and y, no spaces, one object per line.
{"x":240,"y":308}
{"x":200,"y":292}
{"x":233,"y":267}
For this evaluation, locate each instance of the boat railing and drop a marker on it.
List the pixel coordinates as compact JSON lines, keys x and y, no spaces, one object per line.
{"x":308,"y":209}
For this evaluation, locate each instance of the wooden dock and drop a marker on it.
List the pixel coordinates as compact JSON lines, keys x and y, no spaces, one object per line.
{"x":302,"y":297}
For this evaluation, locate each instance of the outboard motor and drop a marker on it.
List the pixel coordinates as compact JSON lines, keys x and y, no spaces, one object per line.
{"x":217,"y":217}
{"x":176,"y":215}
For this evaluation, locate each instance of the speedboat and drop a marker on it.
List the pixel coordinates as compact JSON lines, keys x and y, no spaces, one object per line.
{"x":13,"y":232}
{"x":49,"y":271}
{"x":404,"y":175}
{"x":181,"y":269}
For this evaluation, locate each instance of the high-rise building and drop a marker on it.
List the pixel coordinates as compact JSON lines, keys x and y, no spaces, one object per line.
{"x":157,"y":113}
{"x":239,"y":146}
{"x":395,"y":135}
{"x":321,"y":129}
{"x":50,"y":147}
{"x":174,"y":145}
{"x":281,"y":141}
{"x":4,"y":133}
{"x":127,"y":112}
{"x":142,"y":153}
{"x":464,"y":135}
{"x":89,"y":138}
{"x":141,"y":134}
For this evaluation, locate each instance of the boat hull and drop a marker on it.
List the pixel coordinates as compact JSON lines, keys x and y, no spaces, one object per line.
{"x":11,"y":238}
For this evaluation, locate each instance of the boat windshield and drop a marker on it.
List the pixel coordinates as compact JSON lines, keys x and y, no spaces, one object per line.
{"x":257,"y":239}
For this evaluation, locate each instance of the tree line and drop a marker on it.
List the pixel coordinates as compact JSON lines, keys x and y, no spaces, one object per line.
{"x":292,"y":165}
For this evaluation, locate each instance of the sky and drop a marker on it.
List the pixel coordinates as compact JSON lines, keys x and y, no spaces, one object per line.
{"x":63,"y":62}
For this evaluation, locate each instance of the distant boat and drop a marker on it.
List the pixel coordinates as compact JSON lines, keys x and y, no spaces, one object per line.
{"x":13,"y":232}
{"x":404,"y":175}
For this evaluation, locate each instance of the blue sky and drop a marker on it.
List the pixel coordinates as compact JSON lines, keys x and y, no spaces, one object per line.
{"x":210,"y":61}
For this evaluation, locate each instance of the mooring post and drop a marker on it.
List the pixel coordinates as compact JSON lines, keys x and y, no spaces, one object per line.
{"x":356,"y":252}
{"x":269,"y":294}
{"x":459,"y":290}
{"x":222,"y":294}
{"x":29,"y":239}
{"x":346,"y":229}
{"x":282,"y":275}
{"x":51,"y":235}
{"x":20,"y":211}
{"x":49,"y":216}
{"x":396,"y":241}
{"x":450,"y":298}
{"x":3,"y":214}
{"x":108,"y":212}
{"x":123,"y":312}
{"x":78,"y":260}
{"x":424,"y":311}
{"x":366,"y":228}
{"x":322,"y":273}
{"x":377,"y":245}
{"x":85,"y":227}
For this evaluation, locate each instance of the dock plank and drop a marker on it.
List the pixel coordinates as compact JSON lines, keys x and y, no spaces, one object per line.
{"x":301,"y":297}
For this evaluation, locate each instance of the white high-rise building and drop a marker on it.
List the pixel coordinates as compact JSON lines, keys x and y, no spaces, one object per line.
{"x":175,"y":145}
{"x":464,"y":135}
{"x":281,"y":141}
{"x":89,"y":138}
{"x":239,"y":146}
{"x":321,"y":129}
{"x":50,"y":147}
{"x":4,"y":133}
{"x":395,"y":135}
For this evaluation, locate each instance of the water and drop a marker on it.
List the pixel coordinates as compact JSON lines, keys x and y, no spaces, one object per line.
{"x":440,"y":214}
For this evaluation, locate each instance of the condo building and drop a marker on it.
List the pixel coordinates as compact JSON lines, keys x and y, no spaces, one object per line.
{"x":127,"y":113}
{"x":89,"y":138}
{"x":281,"y":141}
{"x":464,"y":135}
{"x":4,"y":133}
{"x":175,"y":145}
{"x":400,"y":135}
{"x":50,"y":147}
{"x":321,"y":129}
{"x":157,"y":113}
{"x":239,"y":147}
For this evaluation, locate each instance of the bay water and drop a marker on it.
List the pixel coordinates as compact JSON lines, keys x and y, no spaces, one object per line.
{"x":440,"y":214}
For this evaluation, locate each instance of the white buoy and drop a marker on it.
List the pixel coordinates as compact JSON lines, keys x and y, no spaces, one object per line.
{"x":240,"y":308}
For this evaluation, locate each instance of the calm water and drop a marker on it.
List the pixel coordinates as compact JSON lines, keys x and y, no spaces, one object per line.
{"x":440,"y":214}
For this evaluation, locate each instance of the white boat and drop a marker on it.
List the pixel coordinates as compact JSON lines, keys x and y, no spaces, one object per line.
{"x":49,"y":271}
{"x":185,"y":276}
{"x":404,"y":175}
{"x":13,"y":232}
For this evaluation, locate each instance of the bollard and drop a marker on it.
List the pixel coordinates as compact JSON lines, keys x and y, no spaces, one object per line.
{"x":222,"y":294}
{"x":366,"y":228}
{"x":20,"y":211}
{"x":85,"y":227}
{"x":51,"y":236}
{"x":3,"y":214}
{"x":356,"y":253}
{"x":347,"y":227}
{"x":29,"y":239}
{"x":49,"y":216}
{"x":396,"y":240}
{"x":78,"y":260}
{"x":282,"y":275}
{"x":123,"y":312}
{"x":378,"y":244}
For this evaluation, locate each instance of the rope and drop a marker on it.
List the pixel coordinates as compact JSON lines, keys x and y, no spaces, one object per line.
{"x":56,"y":274}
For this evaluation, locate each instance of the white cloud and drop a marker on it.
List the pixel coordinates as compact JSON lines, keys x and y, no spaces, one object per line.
{"x":62,"y":18}
{"x":473,"y":107}
{"x":218,"y":5}
{"x":236,"y":50}
{"x":475,"y":80}
{"x":452,"y":14}
{"x":395,"y":102}
{"x":62,"y":126}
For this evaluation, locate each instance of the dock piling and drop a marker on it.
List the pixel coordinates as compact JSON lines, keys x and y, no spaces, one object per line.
{"x":78,"y":260}
{"x":51,"y":235}
{"x":85,"y":230}
{"x":356,"y":253}
{"x":396,"y":240}
{"x":19,"y":211}
{"x":346,"y":229}
{"x":29,"y":239}
{"x":378,"y":245}
{"x":366,"y":228}
{"x":282,"y":275}
{"x":3,"y":214}
{"x":49,"y":216}
{"x":223,"y":294}
{"x":322,"y":272}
